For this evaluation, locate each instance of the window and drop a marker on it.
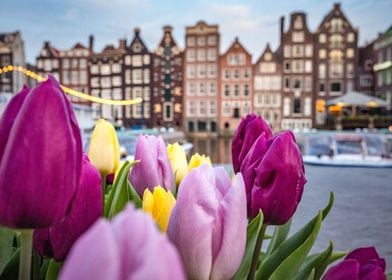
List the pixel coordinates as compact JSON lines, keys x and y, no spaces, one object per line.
{"x":350,"y":37}
{"x":286,"y":106}
{"x":366,"y":81}
{"x":66,"y":63}
{"x":211,"y":41}
{"x":190,"y":41}
{"x":308,"y":51}
{"x":191,"y":71}
{"x":350,"y":70}
{"x":116,"y":81}
{"x":83,"y":77}
{"x":308,"y":107}
{"x":105,"y":69}
{"x":336,"y":40}
{"x":201,"y":41}
{"x":146,"y":59}
{"x":168,"y":114}
{"x":308,"y":84}
{"x":202,"y":107}
{"x":236,"y":90}
{"x":191,"y":108}
{"x":202,"y":89}
{"x":201,"y":55}
{"x":82,"y":63}
{"x":227,"y":74}
{"x":146,"y":76}
{"x":236,"y":59}
{"x":137,"y":76}
{"x":201,"y":71}
{"x":287,"y":51}
{"x":211,"y":53}
{"x":298,"y":66}
{"x":297,"y":83}
{"x":287,"y":66}
{"x":246,"y":73}
{"x":190,"y":55}
{"x":298,"y":50}
{"x":350,"y":53}
{"x":106,"y":82}
{"x":298,"y":37}
{"x":74,"y":63}
{"x":227,"y":90}
{"x":226,"y":109}
{"x":211,"y":70}
{"x":336,"y":25}
{"x":321,"y":87}
{"x":236,"y":74}
{"x":335,"y":87}
{"x":66,"y":76}
{"x":212,"y":108}
{"x":297,"y":106}
{"x":116,"y":68}
{"x":212,"y":89}
{"x":336,"y":70}
{"x":137,"y":60}
{"x":128,"y":60}
{"x":191,"y":89}
{"x":322,"y":38}
{"x":286,"y":84}
{"x":322,"y":71}
{"x":322,"y":53}
{"x":298,"y":23}
{"x":308,"y":66}
{"x":246,"y":90}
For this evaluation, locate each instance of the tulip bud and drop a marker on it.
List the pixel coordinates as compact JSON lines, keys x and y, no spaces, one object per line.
{"x":86,"y":207}
{"x":104,"y":150}
{"x":249,"y":129}
{"x":128,"y":247}
{"x":198,"y":160}
{"x":154,"y":167}
{"x":178,"y":161}
{"x":41,"y":157}
{"x":360,"y":264}
{"x":208,"y":223}
{"x":159,"y":204}
{"x":274,"y":177}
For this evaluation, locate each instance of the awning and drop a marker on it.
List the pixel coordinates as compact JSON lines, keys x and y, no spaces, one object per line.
{"x":354,"y":98}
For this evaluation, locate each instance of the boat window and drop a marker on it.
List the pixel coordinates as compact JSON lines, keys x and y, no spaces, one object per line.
{"x":375,"y":145}
{"x":351,"y":147}
{"x":319,"y":145}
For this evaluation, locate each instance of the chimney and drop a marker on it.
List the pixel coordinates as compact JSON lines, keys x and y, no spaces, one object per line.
{"x":46,"y":44}
{"x":281,"y":27}
{"x":91,"y":43}
{"x":136,"y":31}
{"x":336,"y":5}
{"x":122,"y":44}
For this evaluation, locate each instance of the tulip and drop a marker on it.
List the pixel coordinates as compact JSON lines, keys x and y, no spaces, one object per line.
{"x":249,"y":129}
{"x":274,"y":177}
{"x":360,"y":264}
{"x":86,"y":208}
{"x":41,"y":157}
{"x":159,"y":204}
{"x":198,"y":160}
{"x":154,"y":167}
{"x":128,"y":247}
{"x":208,"y":223}
{"x":178,"y":161}
{"x":104,"y":151}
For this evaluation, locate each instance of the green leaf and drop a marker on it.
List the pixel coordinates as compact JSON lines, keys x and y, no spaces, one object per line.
{"x":285,"y":261}
{"x":53,"y":270}
{"x":134,"y":196}
{"x":317,"y":263}
{"x":120,"y":192}
{"x":280,"y":235}
{"x":336,"y":255}
{"x":10,"y":270}
{"x":311,"y":275}
{"x":252,"y":232}
{"x":389,"y":276}
{"x":6,"y":240}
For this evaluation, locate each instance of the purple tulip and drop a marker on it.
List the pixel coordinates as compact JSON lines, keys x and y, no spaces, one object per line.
{"x":249,"y":129}
{"x":208,"y":223}
{"x":85,"y":209}
{"x":41,"y":157}
{"x":128,"y":247}
{"x":274,"y":177}
{"x":154,"y":168}
{"x":360,"y":264}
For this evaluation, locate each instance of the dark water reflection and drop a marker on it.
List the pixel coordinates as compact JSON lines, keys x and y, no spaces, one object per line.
{"x":218,"y":149}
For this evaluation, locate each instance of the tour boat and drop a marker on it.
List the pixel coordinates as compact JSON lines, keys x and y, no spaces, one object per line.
{"x":345,"y":149}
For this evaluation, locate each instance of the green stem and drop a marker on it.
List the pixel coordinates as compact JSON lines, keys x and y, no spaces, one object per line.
{"x":26,"y":238}
{"x":256,"y":253}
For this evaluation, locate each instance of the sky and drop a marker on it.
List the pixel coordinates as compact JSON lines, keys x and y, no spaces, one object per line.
{"x":255,"y":22}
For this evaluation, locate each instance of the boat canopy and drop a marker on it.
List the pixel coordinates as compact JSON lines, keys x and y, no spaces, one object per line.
{"x":355,"y":98}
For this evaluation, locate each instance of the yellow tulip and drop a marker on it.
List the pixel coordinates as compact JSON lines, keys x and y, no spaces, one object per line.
{"x":178,"y":161}
{"x":198,"y":160}
{"x":104,"y":151}
{"x":159,"y":204}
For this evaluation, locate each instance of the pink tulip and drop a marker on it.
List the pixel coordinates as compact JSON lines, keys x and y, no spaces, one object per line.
{"x":208,"y":223}
{"x":128,"y":247}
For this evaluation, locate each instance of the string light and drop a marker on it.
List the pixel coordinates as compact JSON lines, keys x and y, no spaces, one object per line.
{"x":39,"y":78}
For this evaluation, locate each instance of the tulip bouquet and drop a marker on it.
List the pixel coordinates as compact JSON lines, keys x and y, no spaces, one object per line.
{"x":161,"y":217}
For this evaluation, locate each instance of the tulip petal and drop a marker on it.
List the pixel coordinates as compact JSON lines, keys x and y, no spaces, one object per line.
{"x":9,"y":115}
{"x":95,"y":255}
{"x":346,"y":270}
{"x":43,"y":156}
{"x":232,"y":236}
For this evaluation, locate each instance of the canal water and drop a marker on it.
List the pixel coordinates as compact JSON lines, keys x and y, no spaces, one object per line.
{"x":362,"y":212}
